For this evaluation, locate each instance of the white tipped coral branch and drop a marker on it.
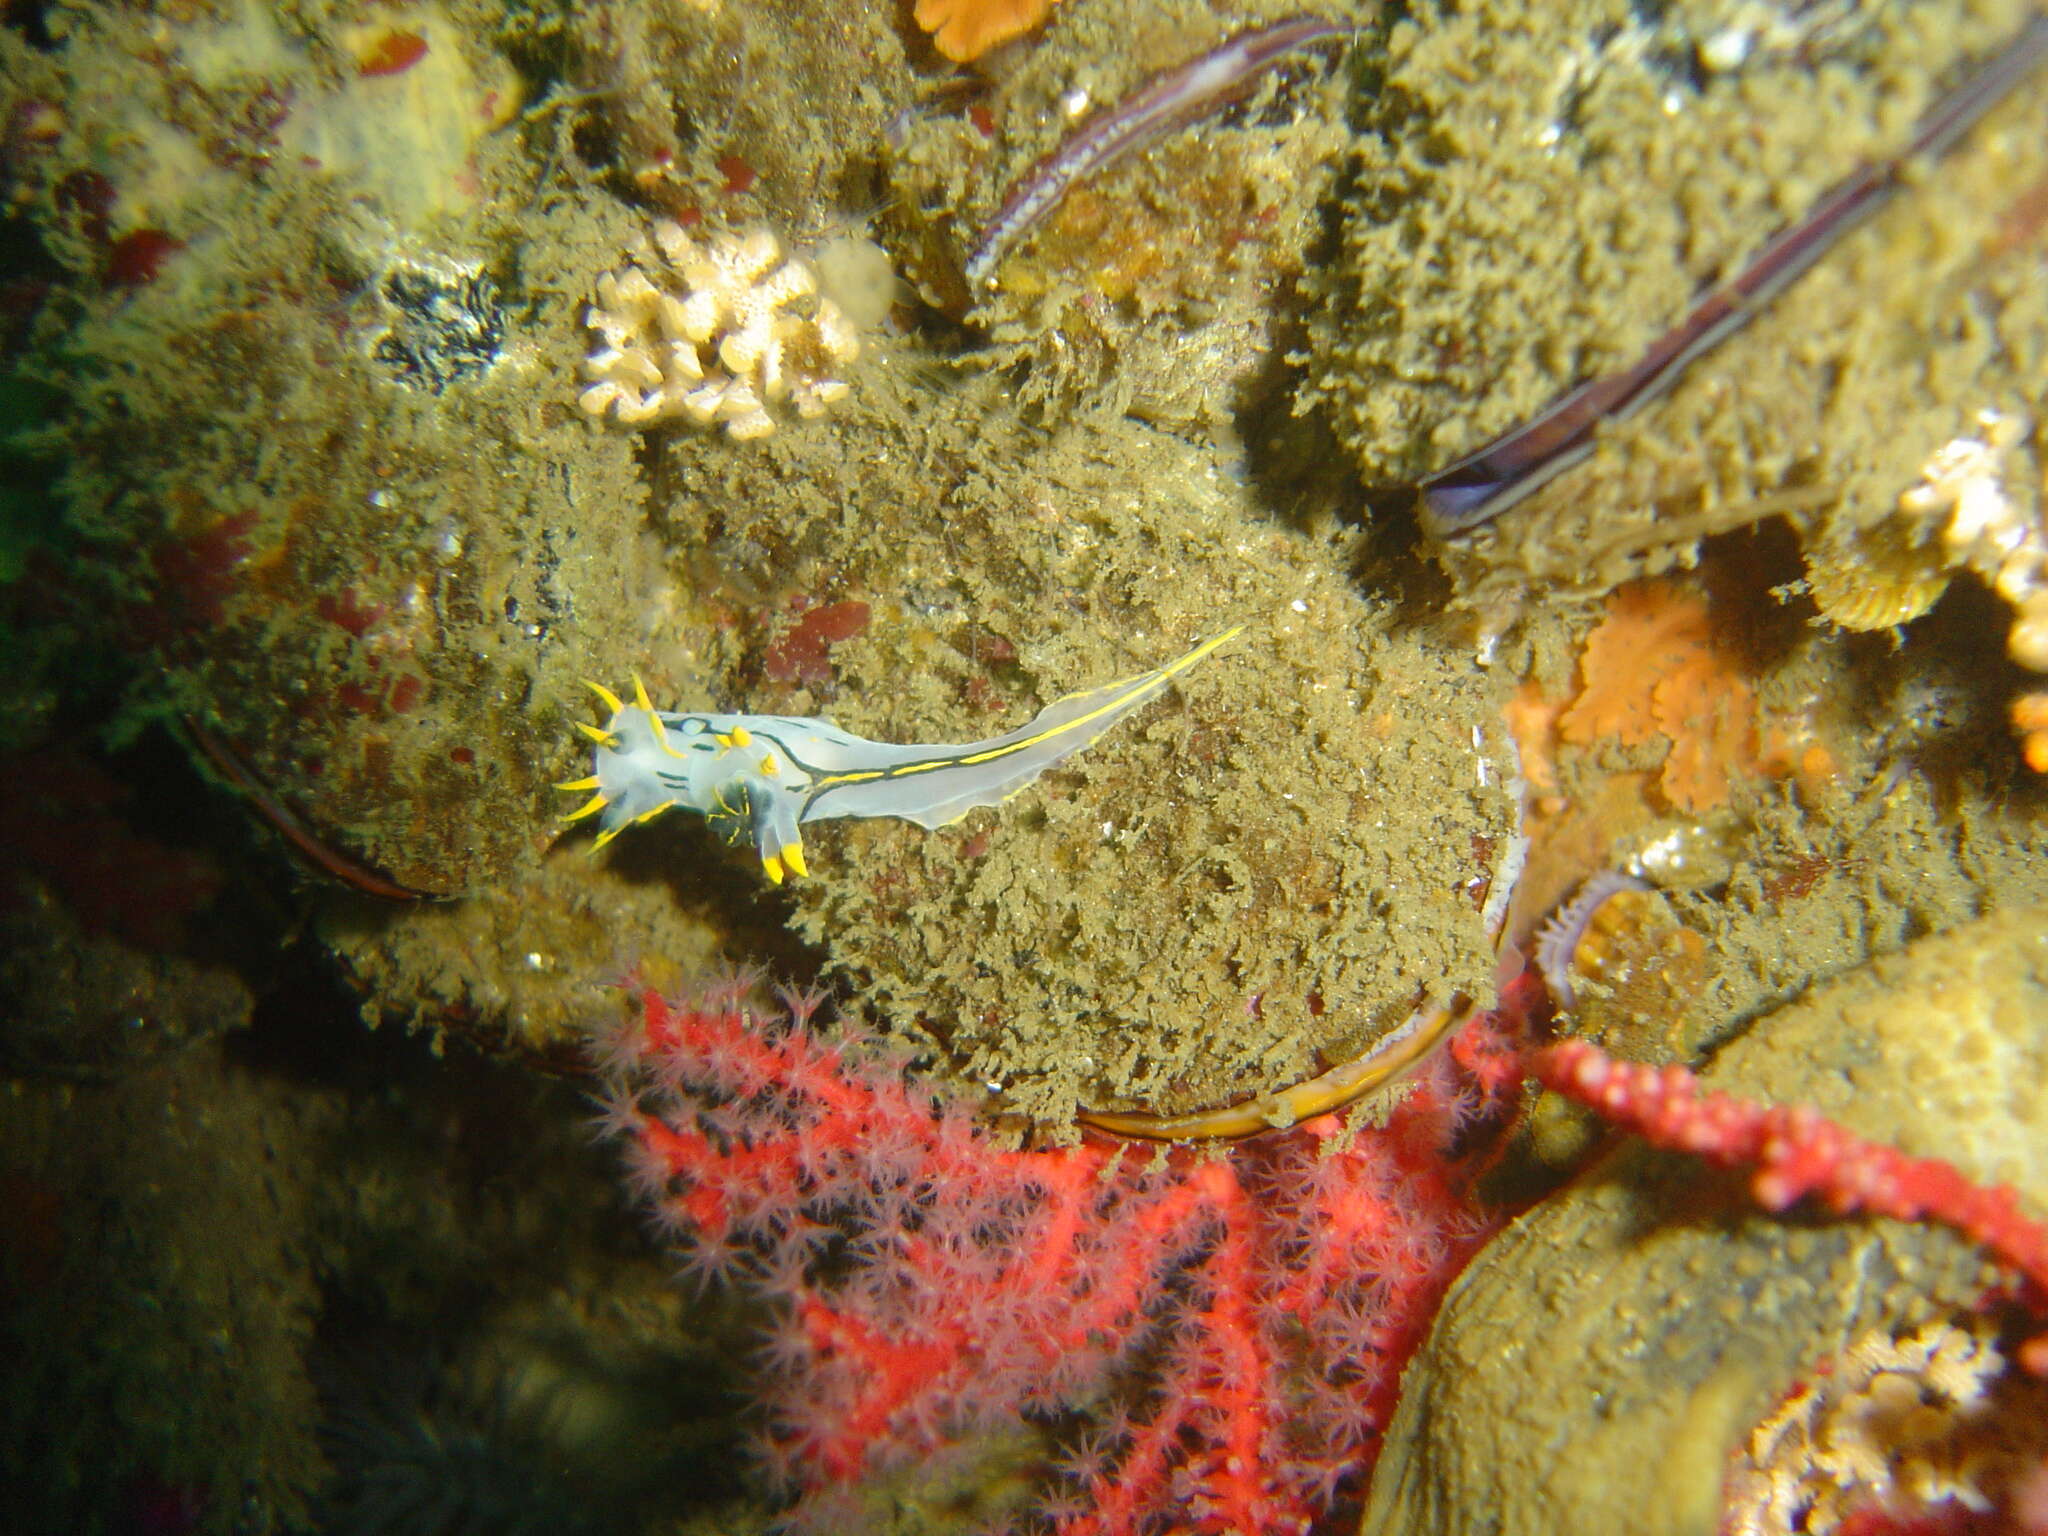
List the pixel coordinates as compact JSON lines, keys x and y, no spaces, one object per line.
{"x":726,"y":334}
{"x":1988,"y":530}
{"x":2001,"y":537}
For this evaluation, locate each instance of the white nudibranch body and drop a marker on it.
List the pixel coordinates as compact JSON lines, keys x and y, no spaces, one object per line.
{"x":763,"y":776}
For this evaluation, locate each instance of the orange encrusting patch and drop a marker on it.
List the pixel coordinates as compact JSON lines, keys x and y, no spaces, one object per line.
{"x":1652,"y":669}
{"x":964,"y":30}
{"x":390,"y":53}
{"x":2030,"y":723}
{"x":1710,"y":717}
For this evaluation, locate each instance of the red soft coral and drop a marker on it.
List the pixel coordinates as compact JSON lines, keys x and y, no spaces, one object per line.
{"x":1227,"y":1329}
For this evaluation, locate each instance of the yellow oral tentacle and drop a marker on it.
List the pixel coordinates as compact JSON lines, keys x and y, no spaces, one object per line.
{"x":589,"y":807}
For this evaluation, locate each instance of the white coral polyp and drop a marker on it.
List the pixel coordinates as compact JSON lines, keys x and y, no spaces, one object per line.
{"x":739,"y":333}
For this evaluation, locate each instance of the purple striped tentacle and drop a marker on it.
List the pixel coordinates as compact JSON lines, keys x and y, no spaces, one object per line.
{"x":1557,"y":944}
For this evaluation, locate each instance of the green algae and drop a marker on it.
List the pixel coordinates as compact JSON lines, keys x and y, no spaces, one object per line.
{"x":1172,"y":915}
{"x":1040,"y":489}
{"x":274,"y":1273}
{"x":772,"y":110}
{"x":159,"y":1306}
{"x":1821,"y":412}
{"x":1162,"y":286}
{"x":299,"y":507}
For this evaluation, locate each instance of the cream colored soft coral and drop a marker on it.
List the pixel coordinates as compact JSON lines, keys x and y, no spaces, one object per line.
{"x":727,"y":332}
{"x":1910,"y":1422}
{"x":1970,"y":511}
{"x":1989,"y":529}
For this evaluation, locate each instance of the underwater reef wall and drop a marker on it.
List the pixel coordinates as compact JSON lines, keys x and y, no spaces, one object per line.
{"x":414,"y":366}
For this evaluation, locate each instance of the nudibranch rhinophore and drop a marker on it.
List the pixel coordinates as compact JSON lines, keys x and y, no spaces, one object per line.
{"x":768,"y":774}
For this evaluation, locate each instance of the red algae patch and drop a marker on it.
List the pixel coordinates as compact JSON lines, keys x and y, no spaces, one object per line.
{"x":802,"y":653}
{"x":390,"y":53}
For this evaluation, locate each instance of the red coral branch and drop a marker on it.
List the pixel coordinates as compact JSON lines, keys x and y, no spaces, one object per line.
{"x":1231,"y":1326}
{"x":1795,"y":1152}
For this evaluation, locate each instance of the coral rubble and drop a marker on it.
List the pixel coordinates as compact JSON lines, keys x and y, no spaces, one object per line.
{"x":734,"y":329}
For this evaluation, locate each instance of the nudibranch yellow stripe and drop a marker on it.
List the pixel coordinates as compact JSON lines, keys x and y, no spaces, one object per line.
{"x":763,"y":776}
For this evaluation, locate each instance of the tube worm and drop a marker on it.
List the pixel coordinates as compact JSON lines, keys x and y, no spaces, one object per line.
{"x":1484,"y":484}
{"x":1400,"y":1052}
{"x":1168,"y":101}
{"x":292,"y":827}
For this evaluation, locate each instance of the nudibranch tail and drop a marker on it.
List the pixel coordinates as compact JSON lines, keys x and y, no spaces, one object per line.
{"x":763,"y":776}
{"x":937,"y":785}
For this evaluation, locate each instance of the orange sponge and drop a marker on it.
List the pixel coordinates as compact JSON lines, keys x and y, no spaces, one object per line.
{"x":1652,"y":668}
{"x":966,"y":29}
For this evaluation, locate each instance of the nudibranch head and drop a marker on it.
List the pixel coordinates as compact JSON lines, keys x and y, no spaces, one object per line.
{"x":647,"y":761}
